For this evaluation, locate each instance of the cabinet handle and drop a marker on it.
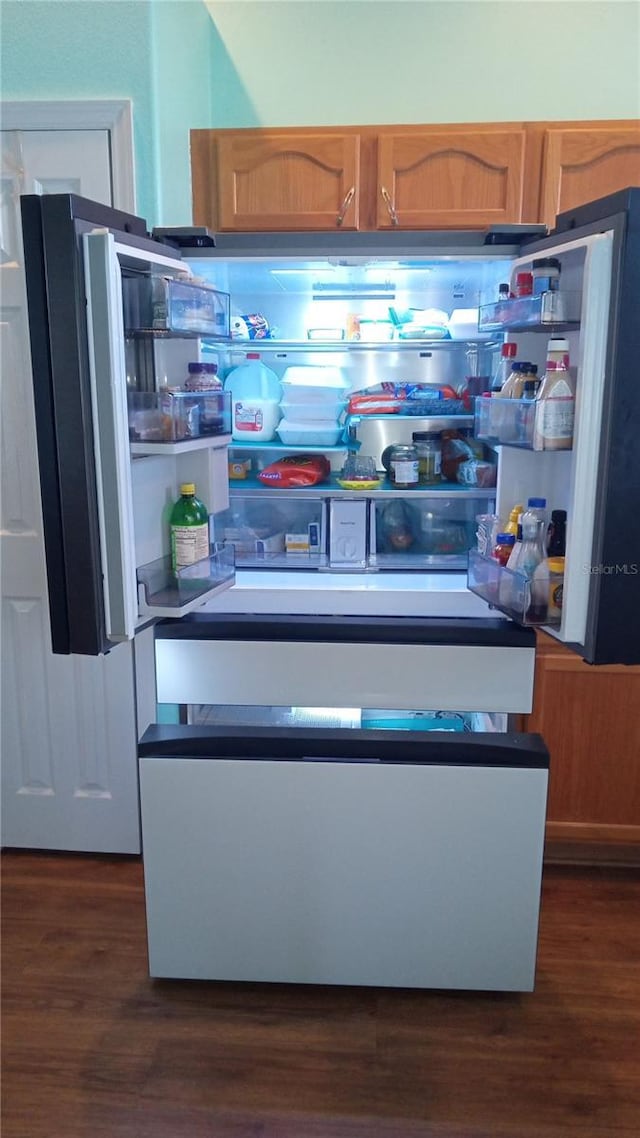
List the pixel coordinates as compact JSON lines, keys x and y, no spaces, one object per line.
{"x":345,"y":205}
{"x":390,"y":207}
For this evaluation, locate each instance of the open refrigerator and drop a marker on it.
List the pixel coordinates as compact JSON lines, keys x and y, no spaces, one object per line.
{"x":346,"y":706}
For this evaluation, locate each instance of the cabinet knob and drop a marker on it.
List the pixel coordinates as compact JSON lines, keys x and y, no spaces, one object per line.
{"x":390,"y":206}
{"x":348,"y":198}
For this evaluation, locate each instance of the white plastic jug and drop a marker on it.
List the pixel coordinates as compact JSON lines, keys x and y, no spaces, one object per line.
{"x":255,"y":398}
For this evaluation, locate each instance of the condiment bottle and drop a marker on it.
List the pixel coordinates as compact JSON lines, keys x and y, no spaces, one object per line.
{"x":503,"y":547}
{"x":512,"y":524}
{"x":554,"y":600}
{"x":507,"y":356}
{"x":557,"y":534}
{"x":524,"y":284}
{"x":429,"y":447}
{"x":188,"y":529}
{"x":555,"y":401}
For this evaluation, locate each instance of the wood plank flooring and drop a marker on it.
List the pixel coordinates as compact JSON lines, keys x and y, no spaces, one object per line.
{"x":91,"y":1047}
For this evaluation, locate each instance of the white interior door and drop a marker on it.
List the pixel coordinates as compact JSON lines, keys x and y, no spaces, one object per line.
{"x":69,"y":760}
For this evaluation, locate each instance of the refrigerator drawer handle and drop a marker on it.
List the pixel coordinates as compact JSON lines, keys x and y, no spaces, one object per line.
{"x":390,"y":206}
{"x":348,"y":198}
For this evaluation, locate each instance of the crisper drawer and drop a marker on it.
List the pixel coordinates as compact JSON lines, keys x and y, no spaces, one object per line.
{"x":342,"y":857}
{"x":434,"y":532}
{"x":280,"y":532}
{"x":365,"y":662}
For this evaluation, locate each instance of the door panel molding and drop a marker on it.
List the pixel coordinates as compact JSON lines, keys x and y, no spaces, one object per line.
{"x":114,"y":115}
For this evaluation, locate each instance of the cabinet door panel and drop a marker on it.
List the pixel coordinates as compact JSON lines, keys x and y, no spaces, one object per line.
{"x":445,"y":178}
{"x":583,"y":163}
{"x":269,"y":180}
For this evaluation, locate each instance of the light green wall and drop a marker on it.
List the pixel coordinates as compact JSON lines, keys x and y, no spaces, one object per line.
{"x":327,"y":62}
{"x":158,"y":53}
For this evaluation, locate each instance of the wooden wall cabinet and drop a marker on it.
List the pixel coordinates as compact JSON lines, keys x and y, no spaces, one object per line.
{"x":450,"y":176}
{"x":584,"y":161}
{"x":587,"y":716}
{"x":358,"y":178}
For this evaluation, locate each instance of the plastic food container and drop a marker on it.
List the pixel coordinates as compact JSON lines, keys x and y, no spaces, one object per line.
{"x":306,"y":412}
{"x":318,"y":432}
{"x":463,"y":324}
{"x":314,"y":385}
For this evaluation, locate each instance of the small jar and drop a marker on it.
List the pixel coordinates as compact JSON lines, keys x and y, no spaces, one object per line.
{"x":429,"y":447}
{"x":403,"y":466}
{"x":546,"y":274}
{"x":202,"y":377}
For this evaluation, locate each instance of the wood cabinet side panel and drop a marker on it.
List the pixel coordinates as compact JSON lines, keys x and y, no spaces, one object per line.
{"x":586,"y":716}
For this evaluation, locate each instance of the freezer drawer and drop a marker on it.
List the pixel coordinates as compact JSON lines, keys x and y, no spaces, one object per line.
{"x":328,"y":858}
{"x":366,"y":662}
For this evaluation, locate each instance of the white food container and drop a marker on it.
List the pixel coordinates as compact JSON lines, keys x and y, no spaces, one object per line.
{"x":308,"y":412}
{"x":315,"y":433}
{"x":314,"y":385}
{"x":463,"y":324}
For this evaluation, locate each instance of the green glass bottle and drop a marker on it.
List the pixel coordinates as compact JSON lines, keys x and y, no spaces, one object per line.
{"x":189,"y":529}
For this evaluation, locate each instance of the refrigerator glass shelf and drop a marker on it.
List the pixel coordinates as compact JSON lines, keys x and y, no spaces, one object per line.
{"x":161,"y":593}
{"x":558,"y":310}
{"x":335,"y":346}
{"x":514,"y":594}
{"x":331,"y":489}
{"x":506,"y":422}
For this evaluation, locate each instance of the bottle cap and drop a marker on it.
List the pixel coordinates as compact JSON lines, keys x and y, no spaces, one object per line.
{"x":509,"y":350}
{"x":208,"y":369}
{"x":524,"y":278}
{"x":536,"y":503}
{"x":558,"y":344}
{"x":506,"y":539}
{"x":187,"y":488}
{"x":546,"y":263}
{"x":556,"y":564}
{"x":558,"y":515}
{"x":517,"y":509}
{"x":253,"y":355}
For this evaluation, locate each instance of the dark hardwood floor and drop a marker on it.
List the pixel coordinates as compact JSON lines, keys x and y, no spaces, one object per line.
{"x":91,"y":1047}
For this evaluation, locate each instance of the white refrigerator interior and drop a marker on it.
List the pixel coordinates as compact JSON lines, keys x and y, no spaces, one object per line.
{"x":337,"y":872}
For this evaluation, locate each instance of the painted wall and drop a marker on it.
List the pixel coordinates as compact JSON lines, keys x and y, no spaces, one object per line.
{"x":326,"y":62}
{"x":158,"y":54}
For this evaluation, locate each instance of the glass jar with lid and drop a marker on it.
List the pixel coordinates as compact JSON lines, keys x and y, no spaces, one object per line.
{"x":429,"y":447}
{"x":403,"y":466}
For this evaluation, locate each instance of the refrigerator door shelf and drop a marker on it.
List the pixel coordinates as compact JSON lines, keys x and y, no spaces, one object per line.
{"x":514,"y":594}
{"x":556,"y":309}
{"x":162,"y":593}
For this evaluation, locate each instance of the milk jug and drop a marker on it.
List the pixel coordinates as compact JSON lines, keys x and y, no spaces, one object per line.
{"x":255,"y":400}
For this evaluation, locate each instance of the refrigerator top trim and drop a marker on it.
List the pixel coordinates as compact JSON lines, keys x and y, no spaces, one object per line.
{"x":336,"y":744}
{"x":500,"y":242}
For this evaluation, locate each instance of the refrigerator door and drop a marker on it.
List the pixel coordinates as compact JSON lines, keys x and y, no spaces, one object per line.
{"x":342,"y":857}
{"x":598,"y":481}
{"x":105,"y":508}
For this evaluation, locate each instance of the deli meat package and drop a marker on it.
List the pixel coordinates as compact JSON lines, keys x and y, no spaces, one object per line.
{"x":296,"y":470}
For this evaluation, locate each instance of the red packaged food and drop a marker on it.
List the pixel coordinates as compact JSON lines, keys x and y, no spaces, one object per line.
{"x":296,"y":470}
{"x":381,"y":403}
